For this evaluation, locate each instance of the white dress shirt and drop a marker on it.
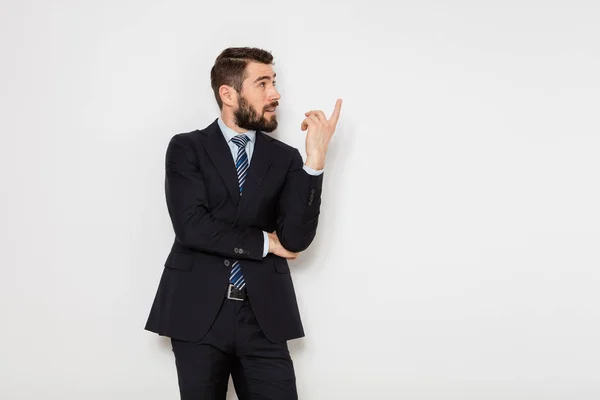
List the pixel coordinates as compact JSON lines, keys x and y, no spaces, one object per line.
{"x":229,"y":133}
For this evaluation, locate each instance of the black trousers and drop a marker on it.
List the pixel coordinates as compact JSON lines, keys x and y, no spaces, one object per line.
{"x":234,"y":346}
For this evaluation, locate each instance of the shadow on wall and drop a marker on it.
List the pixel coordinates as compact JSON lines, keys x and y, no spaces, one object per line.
{"x":335,"y":179}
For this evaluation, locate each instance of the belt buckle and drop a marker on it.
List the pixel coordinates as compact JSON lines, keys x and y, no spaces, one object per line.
{"x":229,"y":296}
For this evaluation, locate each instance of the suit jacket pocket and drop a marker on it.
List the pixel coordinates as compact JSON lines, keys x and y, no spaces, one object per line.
{"x":180,"y":261}
{"x":281,"y":266}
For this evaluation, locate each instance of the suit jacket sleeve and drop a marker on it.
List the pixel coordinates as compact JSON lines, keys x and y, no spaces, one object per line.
{"x":298,"y":206}
{"x":194,"y":225}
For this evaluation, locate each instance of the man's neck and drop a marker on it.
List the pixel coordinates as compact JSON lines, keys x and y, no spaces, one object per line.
{"x":229,"y":121}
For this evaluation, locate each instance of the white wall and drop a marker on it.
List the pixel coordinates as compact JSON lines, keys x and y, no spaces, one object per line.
{"x":457,"y":254}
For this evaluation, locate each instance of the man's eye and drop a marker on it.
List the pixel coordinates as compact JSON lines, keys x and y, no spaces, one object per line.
{"x":262,"y":84}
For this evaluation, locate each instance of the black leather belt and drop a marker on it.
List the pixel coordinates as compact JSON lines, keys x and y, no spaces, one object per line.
{"x":234,"y":293}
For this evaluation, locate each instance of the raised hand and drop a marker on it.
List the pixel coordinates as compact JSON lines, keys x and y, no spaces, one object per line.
{"x":320,"y":132}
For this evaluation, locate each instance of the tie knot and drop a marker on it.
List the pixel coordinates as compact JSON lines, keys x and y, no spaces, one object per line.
{"x":240,"y":140}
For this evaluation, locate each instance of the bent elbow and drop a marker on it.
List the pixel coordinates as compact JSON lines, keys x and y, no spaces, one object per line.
{"x":296,"y":242}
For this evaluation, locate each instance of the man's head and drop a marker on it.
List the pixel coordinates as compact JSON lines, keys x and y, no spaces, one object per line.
{"x":243,"y":82}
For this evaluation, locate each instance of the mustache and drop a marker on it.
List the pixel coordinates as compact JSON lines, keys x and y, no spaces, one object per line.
{"x":274,"y":104}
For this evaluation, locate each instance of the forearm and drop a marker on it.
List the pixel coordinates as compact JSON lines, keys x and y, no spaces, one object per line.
{"x":199,"y":230}
{"x":299,"y":207}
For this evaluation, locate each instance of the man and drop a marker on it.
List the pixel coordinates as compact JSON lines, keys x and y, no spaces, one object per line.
{"x":241,"y":204}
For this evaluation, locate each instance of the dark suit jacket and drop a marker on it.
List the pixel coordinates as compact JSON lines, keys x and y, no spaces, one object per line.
{"x":214,"y":226}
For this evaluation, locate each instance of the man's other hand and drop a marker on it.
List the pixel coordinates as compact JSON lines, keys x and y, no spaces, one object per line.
{"x":276,"y":248}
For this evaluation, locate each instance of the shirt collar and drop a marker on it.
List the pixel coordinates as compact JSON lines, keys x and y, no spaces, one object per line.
{"x":230,"y":133}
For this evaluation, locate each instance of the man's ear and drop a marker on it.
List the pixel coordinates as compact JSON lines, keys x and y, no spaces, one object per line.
{"x":228,"y":95}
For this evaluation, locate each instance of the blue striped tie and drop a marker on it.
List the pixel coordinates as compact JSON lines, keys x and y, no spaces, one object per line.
{"x":241,"y":164}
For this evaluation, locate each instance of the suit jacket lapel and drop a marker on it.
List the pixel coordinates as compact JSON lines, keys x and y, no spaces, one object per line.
{"x":219,"y":153}
{"x":259,"y":165}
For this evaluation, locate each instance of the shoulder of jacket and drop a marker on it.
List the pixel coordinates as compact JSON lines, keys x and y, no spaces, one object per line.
{"x":186,"y":137}
{"x":279,"y":144}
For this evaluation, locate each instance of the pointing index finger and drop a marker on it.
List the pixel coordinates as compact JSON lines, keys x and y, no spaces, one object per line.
{"x":336,"y":111}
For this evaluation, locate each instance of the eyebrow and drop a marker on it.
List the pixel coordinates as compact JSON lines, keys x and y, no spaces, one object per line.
{"x":260,"y":78}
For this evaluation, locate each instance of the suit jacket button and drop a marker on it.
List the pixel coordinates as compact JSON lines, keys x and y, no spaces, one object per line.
{"x":226,"y":262}
{"x":236,"y":250}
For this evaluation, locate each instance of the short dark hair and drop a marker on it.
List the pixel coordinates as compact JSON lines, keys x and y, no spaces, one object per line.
{"x":230,"y":68}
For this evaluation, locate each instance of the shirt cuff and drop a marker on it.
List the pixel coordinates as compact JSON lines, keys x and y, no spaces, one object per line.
{"x":311,"y":171}
{"x":266,"y":245}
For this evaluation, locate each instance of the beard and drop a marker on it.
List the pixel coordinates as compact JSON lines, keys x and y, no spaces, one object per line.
{"x":247,"y":118}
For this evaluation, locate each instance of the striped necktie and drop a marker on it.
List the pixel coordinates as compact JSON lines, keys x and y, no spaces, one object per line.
{"x":241,"y":164}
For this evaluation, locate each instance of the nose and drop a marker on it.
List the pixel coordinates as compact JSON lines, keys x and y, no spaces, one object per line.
{"x":275,"y":96}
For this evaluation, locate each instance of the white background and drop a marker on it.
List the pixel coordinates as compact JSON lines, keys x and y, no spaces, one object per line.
{"x":457,"y":253}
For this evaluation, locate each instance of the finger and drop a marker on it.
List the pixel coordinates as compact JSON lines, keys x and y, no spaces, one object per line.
{"x":307,"y":121}
{"x":335,"y":116}
{"x":320,"y":114}
{"x":314,"y":118}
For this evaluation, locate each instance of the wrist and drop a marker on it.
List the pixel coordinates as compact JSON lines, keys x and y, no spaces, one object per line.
{"x":315,"y":162}
{"x":271,"y":243}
